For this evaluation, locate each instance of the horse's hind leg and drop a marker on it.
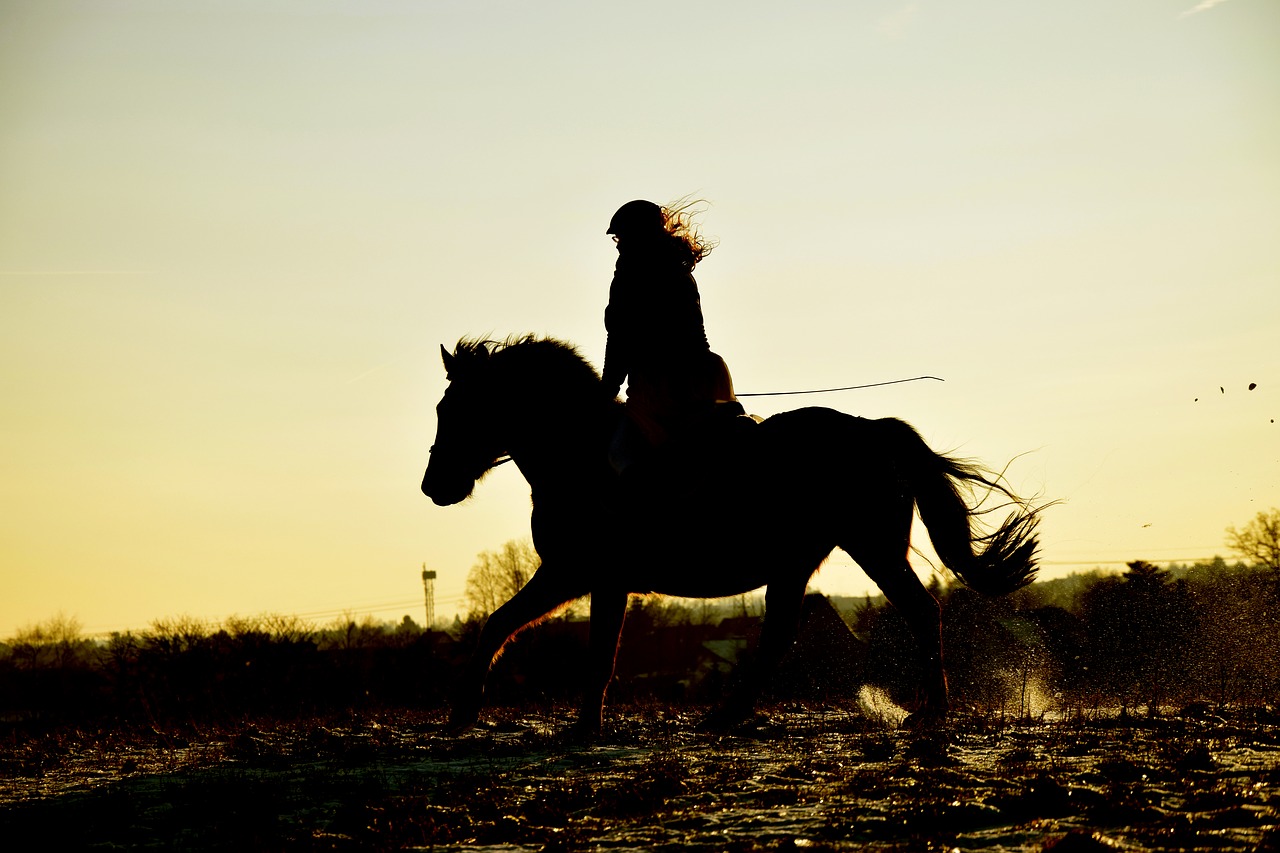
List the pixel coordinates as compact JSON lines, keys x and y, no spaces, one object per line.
{"x":544,"y":593}
{"x":894,"y":576}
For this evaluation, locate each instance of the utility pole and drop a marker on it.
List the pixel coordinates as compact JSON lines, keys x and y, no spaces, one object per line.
{"x":429,"y":589}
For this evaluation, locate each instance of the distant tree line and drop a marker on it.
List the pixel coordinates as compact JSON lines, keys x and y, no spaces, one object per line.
{"x":1148,"y":639}
{"x":1151,"y":638}
{"x":185,"y":669}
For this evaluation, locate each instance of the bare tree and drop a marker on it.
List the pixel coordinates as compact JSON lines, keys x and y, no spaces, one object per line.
{"x":498,"y":575}
{"x":177,"y":634}
{"x":288,"y":628}
{"x":1259,"y":540}
{"x":57,"y":642}
{"x":347,"y":633}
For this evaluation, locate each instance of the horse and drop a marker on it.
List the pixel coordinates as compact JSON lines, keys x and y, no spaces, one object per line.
{"x":711,"y":518}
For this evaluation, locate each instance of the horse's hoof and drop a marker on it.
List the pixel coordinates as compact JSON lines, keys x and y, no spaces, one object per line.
{"x":452,"y":729}
{"x":461,"y":722}
{"x":584,"y":733}
{"x":725,"y":720}
{"x":926,"y":719}
{"x":931,"y":747}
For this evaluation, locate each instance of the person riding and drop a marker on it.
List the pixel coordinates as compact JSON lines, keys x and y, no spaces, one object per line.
{"x":656,"y":338}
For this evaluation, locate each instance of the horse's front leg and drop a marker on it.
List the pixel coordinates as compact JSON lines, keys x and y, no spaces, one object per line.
{"x":608,"y":612}
{"x":545,"y":592}
{"x":783,"y":605}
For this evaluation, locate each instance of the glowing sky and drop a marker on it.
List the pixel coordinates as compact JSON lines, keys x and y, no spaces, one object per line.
{"x":233,"y":236}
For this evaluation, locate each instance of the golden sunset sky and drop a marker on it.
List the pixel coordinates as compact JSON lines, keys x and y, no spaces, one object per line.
{"x":233,"y":236}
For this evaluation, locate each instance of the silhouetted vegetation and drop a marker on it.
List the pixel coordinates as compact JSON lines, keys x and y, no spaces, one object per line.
{"x":1259,"y":540}
{"x":498,"y":575}
{"x":1149,"y":638}
{"x":183,"y":669}
{"x":1145,"y":640}
{"x":272,"y":733}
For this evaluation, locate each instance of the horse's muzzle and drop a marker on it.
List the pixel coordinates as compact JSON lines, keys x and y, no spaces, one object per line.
{"x":445,"y":493}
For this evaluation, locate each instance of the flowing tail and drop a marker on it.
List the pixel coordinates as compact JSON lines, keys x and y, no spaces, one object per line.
{"x":994,"y":563}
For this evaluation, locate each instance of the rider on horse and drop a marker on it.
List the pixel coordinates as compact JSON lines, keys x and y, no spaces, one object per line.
{"x":656,"y":337}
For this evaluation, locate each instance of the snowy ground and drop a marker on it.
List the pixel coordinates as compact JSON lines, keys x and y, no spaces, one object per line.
{"x":796,"y":778}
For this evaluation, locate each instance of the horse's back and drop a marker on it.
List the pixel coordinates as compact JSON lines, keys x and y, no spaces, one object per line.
{"x":775,"y":502}
{"x":818,"y":444}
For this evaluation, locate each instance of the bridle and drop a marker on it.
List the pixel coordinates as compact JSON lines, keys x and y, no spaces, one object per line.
{"x":501,"y":460}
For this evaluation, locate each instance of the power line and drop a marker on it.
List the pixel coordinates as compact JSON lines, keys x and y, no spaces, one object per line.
{"x":308,"y":616}
{"x":1122,"y":562}
{"x":406,"y":604}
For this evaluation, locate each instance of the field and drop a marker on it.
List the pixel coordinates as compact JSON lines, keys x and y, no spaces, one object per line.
{"x":797,"y":777}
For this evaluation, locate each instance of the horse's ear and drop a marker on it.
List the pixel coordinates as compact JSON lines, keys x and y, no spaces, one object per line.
{"x":447,"y":359}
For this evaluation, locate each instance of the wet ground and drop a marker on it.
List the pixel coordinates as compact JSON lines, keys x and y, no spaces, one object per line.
{"x":796,"y":778}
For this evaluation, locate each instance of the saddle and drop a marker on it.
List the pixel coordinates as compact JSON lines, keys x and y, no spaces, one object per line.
{"x":694,"y":460}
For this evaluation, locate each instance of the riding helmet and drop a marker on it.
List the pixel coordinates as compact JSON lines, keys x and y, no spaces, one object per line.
{"x":637,"y":216}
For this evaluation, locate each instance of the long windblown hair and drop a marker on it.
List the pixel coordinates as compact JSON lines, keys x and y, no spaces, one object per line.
{"x":678,"y":221}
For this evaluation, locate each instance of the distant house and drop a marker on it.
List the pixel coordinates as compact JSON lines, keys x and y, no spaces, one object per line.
{"x":826,"y":661}
{"x":685,"y":660}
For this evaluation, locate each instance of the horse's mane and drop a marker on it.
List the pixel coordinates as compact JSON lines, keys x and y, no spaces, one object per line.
{"x":527,"y":356}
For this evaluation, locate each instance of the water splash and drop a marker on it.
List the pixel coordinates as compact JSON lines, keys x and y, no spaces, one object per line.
{"x":1031,"y":697}
{"x":877,"y":705}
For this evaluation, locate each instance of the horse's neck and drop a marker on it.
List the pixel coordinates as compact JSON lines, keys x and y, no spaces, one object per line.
{"x":555,"y":453}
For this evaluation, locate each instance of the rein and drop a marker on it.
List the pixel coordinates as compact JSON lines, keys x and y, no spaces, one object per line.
{"x":506,"y":457}
{"x":830,"y":390}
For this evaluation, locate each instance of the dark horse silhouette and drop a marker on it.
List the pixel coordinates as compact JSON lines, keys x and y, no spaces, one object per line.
{"x":777,"y":500}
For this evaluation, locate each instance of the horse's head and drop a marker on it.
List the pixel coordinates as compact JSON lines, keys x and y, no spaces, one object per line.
{"x":467,"y":443}
{"x":536,"y":399}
